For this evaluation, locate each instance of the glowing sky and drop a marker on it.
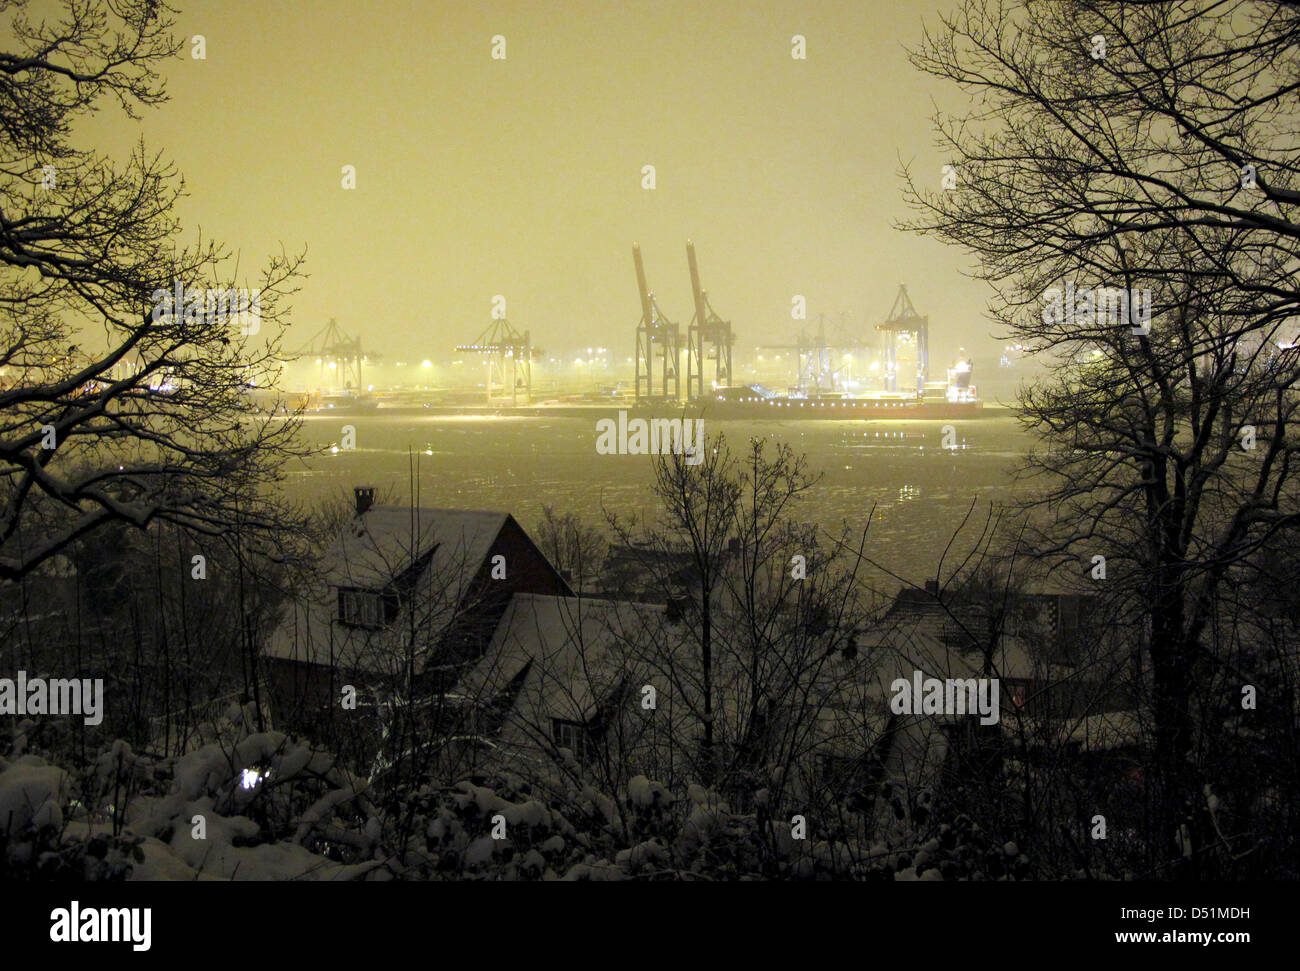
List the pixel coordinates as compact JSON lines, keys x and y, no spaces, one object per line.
{"x":523,"y":177}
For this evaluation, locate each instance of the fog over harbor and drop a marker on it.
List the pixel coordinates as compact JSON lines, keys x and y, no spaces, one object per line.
{"x":919,"y":490}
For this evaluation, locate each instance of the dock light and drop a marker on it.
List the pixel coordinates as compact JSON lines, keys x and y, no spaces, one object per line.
{"x":426,"y":364}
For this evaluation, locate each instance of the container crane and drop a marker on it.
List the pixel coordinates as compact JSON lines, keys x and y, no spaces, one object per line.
{"x":658,"y":340}
{"x":709,"y":337}
{"x":509,"y":361}
{"x":904,"y":322}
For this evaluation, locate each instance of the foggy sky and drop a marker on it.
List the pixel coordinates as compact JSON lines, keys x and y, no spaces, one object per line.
{"x":522,"y":177}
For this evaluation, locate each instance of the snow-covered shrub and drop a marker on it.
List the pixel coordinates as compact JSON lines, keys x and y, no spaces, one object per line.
{"x":38,"y":841}
{"x":251,"y":805}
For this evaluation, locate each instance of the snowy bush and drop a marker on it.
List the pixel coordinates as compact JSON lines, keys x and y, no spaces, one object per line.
{"x":249,"y":806}
{"x":262,"y":806}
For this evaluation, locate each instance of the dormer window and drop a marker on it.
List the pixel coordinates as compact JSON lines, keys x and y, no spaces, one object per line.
{"x":572,"y":735}
{"x":365,"y":608}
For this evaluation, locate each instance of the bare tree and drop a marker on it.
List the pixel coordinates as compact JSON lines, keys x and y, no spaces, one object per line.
{"x":1118,"y":153}
{"x":576,"y":550}
{"x":124,"y":385}
{"x":762,"y":652}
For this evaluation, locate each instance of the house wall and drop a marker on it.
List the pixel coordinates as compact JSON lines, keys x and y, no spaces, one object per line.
{"x":305,"y":696}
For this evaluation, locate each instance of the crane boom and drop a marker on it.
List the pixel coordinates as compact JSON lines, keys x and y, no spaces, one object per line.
{"x":642,"y":290}
{"x":701,"y":312}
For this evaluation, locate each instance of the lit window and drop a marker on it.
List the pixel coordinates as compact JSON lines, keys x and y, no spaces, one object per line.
{"x":361,"y":608}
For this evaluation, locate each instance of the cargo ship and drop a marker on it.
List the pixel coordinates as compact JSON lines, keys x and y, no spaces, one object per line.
{"x":955,"y":398}
{"x":756,"y":402}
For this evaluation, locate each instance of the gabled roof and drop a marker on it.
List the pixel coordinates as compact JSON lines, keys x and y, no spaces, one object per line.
{"x":380,"y":544}
{"x":575,"y":651}
{"x":574,"y":659}
{"x":944,"y":638}
{"x":435,"y":554}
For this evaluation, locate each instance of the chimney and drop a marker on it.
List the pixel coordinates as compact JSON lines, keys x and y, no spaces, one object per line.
{"x":932,"y":587}
{"x":365,"y":498}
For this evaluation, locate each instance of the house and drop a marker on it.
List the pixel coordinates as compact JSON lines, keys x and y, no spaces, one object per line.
{"x":407,"y":598}
{"x":1064,"y":683}
{"x":567,"y":673}
{"x":614,"y":686}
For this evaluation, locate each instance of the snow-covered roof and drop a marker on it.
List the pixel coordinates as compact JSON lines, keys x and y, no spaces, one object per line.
{"x":567,"y":658}
{"x":903,"y":650}
{"x":374,"y":547}
{"x":1095,"y":733}
{"x":562,"y":656}
{"x":433,"y":554}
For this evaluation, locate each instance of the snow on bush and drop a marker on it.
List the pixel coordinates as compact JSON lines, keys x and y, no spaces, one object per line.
{"x":253,"y":805}
{"x":194,"y":816}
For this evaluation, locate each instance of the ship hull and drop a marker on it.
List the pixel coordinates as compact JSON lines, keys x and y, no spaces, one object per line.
{"x":795,"y":409}
{"x":778,"y":409}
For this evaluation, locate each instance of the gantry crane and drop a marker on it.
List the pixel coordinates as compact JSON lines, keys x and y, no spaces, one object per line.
{"x":903,"y":321}
{"x":815,"y":372}
{"x":509,"y":361}
{"x":709,"y":337}
{"x":659,"y":338}
{"x":335,"y":351}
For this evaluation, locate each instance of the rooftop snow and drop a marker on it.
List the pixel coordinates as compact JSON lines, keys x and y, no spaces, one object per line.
{"x":373,"y":551}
